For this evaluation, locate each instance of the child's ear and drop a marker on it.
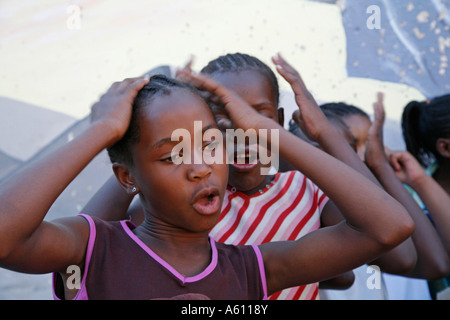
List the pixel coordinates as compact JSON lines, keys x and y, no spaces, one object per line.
{"x":280,"y":113}
{"x":443,"y":147}
{"x":125,"y":178}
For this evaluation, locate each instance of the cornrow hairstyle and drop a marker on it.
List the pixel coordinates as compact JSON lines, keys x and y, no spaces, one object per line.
{"x":423,"y":123}
{"x":335,"y":118}
{"x":237,"y":62}
{"x":343,"y":109}
{"x":158,"y":85}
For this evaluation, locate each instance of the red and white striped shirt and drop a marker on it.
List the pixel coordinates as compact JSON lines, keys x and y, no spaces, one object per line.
{"x":286,"y":209}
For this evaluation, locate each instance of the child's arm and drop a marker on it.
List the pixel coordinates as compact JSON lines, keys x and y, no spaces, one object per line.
{"x":374,"y":221}
{"x":402,"y":258}
{"x":433,"y":261}
{"x":29,"y":244}
{"x":436,"y":200}
{"x":316,"y":124}
{"x":112,"y":203}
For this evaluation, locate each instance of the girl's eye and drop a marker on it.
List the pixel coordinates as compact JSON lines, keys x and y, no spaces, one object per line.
{"x":172,"y":158}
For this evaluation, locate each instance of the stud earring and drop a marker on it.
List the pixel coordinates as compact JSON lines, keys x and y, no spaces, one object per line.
{"x":133,"y":190}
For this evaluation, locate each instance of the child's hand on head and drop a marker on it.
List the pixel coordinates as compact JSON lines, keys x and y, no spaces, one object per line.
{"x":310,"y":118}
{"x":240,"y":112}
{"x":183,"y":74}
{"x":113,"y":110}
{"x":375,"y":152}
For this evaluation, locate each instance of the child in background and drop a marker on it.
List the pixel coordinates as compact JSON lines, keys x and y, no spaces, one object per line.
{"x":334,"y":119}
{"x":426,"y":131}
{"x":357,"y":121}
{"x":181,"y":202}
{"x":432,"y":262}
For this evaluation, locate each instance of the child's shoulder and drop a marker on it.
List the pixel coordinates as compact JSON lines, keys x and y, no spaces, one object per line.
{"x":236,"y":254}
{"x":99,"y":227}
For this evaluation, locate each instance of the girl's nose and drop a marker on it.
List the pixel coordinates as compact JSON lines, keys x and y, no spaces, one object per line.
{"x":197,"y":172}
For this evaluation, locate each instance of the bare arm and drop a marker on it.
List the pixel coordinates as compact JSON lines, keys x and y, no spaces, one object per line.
{"x":110,"y":202}
{"x":436,"y":200}
{"x":28,"y":244}
{"x":315,"y":123}
{"x":432,"y":260}
{"x":402,"y":258}
{"x":375,"y":222}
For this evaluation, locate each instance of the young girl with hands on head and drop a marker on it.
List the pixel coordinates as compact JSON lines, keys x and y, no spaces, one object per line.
{"x":182,"y":202}
{"x":257,"y":208}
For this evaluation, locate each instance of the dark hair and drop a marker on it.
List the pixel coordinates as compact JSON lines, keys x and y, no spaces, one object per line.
{"x":423,"y":123}
{"x":158,"y":85}
{"x":343,"y":109}
{"x":335,"y":118}
{"x":238,"y":62}
{"x":332,"y":117}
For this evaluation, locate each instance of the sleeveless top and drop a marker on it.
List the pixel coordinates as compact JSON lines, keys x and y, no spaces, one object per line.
{"x":119,"y":266}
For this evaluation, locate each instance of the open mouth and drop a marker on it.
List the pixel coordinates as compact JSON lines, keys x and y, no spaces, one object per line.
{"x":245,"y":158}
{"x":207,"y":201}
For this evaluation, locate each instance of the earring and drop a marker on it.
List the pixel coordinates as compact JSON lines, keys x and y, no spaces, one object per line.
{"x":133,"y":190}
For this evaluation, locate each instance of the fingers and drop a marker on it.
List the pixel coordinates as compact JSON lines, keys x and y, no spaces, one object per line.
{"x":396,"y":159}
{"x":187,"y":67}
{"x":288,"y":72}
{"x":380,"y":97}
{"x":379,"y":113}
{"x":203,"y":82}
{"x":296,"y":117}
{"x":133,"y":84}
{"x":136,"y":85}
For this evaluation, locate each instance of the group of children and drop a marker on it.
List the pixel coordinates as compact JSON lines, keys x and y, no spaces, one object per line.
{"x":227,"y":231}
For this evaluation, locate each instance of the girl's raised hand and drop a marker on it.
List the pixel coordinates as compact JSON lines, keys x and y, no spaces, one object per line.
{"x":113,"y":110}
{"x":375,"y":152}
{"x":310,"y":119}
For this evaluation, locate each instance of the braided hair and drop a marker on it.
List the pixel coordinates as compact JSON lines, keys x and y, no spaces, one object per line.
{"x":423,"y":123}
{"x":158,"y":85}
{"x":343,"y":110}
{"x":237,"y":62}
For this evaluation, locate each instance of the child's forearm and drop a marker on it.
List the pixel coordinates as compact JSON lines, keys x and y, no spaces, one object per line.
{"x":110,"y":203}
{"x":27,"y":196}
{"x":437,"y":202}
{"x":334,"y":144}
{"x":357,"y":194}
{"x":432,"y":260}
